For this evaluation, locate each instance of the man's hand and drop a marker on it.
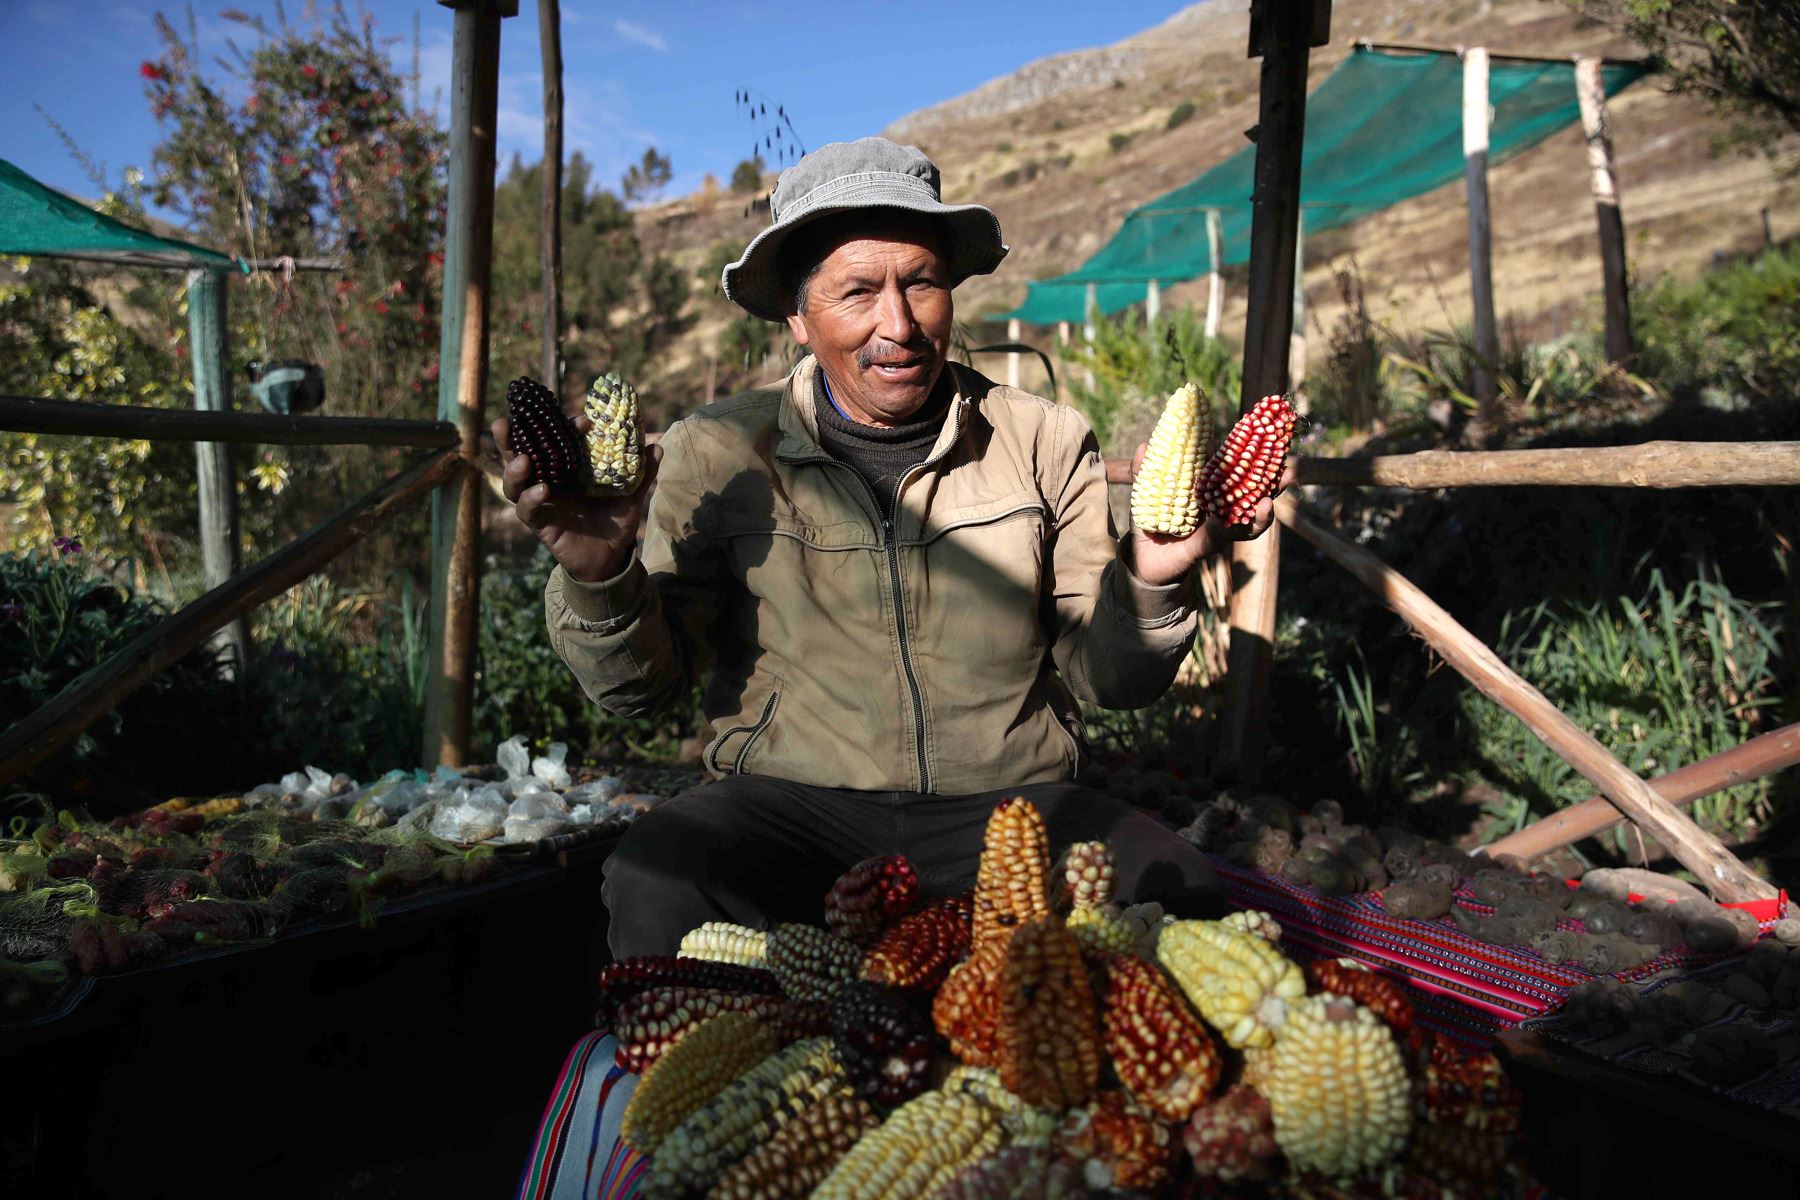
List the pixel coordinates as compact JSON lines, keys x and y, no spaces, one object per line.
{"x":591,"y":536}
{"x":1159,"y":559}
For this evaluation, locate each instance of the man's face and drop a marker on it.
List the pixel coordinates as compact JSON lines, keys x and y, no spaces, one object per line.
{"x":878,"y":318}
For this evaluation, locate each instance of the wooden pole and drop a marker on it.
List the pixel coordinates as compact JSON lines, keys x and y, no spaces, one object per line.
{"x":92,"y":696}
{"x":1015,"y":360}
{"x":1651,"y":465}
{"x":1590,"y":89}
{"x":1481,"y":238}
{"x":1090,"y":303}
{"x":1285,"y":35}
{"x":550,"y":222}
{"x":1062,"y":333}
{"x":462,"y":357}
{"x":1297,"y":338}
{"x":86,"y":418}
{"x":1152,"y":302}
{"x":1754,"y":759}
{"x":1712,"y":863}
{"x":221,"y":548}
{"x":1215,"y":278}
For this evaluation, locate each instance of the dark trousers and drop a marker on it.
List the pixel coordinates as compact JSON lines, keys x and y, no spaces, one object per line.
{"x":760,"y":852}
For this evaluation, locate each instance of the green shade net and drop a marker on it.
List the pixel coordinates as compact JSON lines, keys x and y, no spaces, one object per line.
{"x":37,"y":220}
{"x":1382,"y":128}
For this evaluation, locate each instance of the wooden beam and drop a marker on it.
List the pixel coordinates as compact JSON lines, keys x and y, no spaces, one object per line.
{"x":94,"y":694}
{"x":1285,"y":30}
{"x":221,"y":547}
{"x":1481,"y":234}
{"x":1590,"y":89}
{"x":1215,"y":278}
{"x":85,"y":418}
{"x":462,"y":387}
{"x":1715,"y":866}
{"x":550,"y":220}
{"x":1649,"y":465}
{"x":1760,"y":756}
{"x":1497,"y":55}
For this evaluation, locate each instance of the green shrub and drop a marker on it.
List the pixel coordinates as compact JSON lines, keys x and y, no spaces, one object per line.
{"x":1180,"y":115}
{"x":1661,"y":682}
{"x":1135,"y":369}
{"x":1729,"y":337}
{"x":1118,"y":141}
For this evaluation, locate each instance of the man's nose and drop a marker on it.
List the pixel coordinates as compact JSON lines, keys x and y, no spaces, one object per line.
{"x":895,"y":316}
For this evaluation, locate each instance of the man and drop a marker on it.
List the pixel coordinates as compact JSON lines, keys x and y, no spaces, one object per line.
{"x":896,"y":576}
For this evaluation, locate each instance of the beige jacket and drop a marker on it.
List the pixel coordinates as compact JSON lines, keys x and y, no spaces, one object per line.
{"x":941,"y":652}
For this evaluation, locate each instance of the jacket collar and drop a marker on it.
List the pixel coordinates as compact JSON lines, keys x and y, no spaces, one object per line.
{"x":797,"y":420}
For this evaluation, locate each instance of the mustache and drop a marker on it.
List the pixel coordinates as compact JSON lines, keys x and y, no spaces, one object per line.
{"x":884,"y":351}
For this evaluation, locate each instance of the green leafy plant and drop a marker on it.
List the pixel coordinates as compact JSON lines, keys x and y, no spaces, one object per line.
{"x":1118,"y":141}
{"x":1180,"y":115}
{"x":1728,"y":337}
{"x":1382,"y":751}
{"x":1134,"y":368}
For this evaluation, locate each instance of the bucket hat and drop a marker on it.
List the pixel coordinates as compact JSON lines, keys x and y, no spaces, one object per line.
{"x":868,"y":173}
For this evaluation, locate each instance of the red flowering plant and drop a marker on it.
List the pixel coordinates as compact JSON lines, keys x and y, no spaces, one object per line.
{"x":307,"y":146}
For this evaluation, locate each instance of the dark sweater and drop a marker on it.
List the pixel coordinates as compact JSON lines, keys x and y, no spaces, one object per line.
{"x":881,"y":456}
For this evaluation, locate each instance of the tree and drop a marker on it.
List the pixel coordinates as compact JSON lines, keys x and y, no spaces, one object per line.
{"x":1741,"y":56}
{"x":747,"y":176}
{"x":646,"y":178}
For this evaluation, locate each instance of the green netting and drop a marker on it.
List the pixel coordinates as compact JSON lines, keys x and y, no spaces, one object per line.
{"x":1382,"y":128}
{"x":37,"y":220}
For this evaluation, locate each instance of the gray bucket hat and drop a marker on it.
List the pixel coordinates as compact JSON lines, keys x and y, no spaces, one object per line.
{"x":868,"y":173}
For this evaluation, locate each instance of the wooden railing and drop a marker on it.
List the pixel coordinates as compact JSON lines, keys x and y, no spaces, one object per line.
{"x":1654,"y":806}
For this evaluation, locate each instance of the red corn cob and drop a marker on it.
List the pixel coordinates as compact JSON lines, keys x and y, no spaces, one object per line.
{"x":624,"y":979}
{"x":1247,"y":464}
{"x":871,"y":896}
{"x":916,"y":953}
{"x":543,"y":434}
{"x":652,"y":1021}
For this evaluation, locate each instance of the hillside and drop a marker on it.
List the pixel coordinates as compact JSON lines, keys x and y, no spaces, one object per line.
{"x":1038,"y":147}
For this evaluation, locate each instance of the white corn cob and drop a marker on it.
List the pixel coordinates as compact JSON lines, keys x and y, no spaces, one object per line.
{"x":1165,"y":497}
{"x":615,"y":439}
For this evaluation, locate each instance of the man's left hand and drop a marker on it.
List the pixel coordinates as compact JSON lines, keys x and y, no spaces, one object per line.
{"x":1159,"y":559}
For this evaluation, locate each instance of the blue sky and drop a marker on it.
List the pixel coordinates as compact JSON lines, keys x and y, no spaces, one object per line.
{"x":635,"y":74}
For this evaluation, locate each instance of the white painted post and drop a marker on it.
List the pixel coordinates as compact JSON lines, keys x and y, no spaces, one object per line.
{"x":1297,"y":334}
{"x":221,"y":551}
{"x":1481,"y":239}
{"x":1215,"y":279}
{"x":1012,"y":360}
{"x":1590,"y":87}
{"x":1090,"y":303}
{"x":1152,"y":302}
{"x":1062,"y":333}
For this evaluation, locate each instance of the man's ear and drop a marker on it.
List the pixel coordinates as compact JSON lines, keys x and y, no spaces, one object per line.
{"x":797,"y":327}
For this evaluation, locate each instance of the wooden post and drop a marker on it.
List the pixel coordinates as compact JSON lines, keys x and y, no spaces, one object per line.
{"x":1090,"y":304}
{"x":1062,"y":333}
{"x":1013,"y":360}
{"x":221,"y":548}
{"x":1297,"y":338}
{"x":1481,"y":237}
{"x":1754,"y":759}
{"x":1590,"y":89}
{"x":550,"y":222}
{"x":1152,"y":302}
{"x":1715,"y":866}
{"x":1215,"y":277}
{"x":1281,"y":34}
{"x":462,"y":386}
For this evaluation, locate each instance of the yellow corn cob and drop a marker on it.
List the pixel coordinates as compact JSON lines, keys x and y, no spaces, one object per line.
{"x":792,"y":1163}
{"x":916,"y":1150}
{"x":741,"y":1116}
{"x":1165,"y":496}
{"x":1012,"y":881}
{"x":810,"y":963}
{"x":615,"y":439}
{"x":1240,"y":983}
{"x":1048,"y":1028}
{"x":693,"y":1070}
{"x":1022,"y":1124}
{"x":721,"y":941}
{"x":1337,"y":1087}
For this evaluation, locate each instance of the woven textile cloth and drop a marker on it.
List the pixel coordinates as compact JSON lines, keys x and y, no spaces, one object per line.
{"x":577,"y":1154}
{"x":1463,"y":988}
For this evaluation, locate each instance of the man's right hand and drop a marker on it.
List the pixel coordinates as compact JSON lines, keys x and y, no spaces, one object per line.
{"x":591,"y":536}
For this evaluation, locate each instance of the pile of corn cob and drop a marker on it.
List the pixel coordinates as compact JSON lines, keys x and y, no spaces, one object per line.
{"x":1036,"y":1038}
{"x":1187,"y":475}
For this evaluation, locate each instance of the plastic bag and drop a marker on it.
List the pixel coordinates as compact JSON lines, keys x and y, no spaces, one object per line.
{"x":549,"y":767}
{"x":514,"y":757}
{"x":545,"y":804}
{"x":596,"y":792}
{"x":531,"y":829}
{"x":469,"y":816}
